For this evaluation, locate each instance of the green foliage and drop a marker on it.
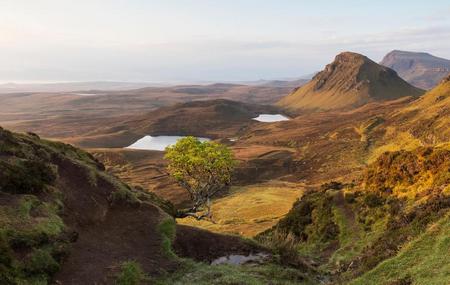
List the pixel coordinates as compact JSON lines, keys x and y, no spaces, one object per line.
{"x":309,"y":220}
{"x":26,"y":176}
{"x":373,"y":200}
{"x":202,"y":168}
{"x":131,"y":274}
{"x":167,"y":229}
{"x":424,"y":260}
{"x":30,"y":225}
{"x":197,"y":163}
{"x":41,"y":262}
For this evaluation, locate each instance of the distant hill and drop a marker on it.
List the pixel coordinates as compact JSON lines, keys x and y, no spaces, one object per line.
{"x":420,"y":69}
{"x":285,"y":83}
{"x":350,"y":81}
{"x":212,"y":119}
{"x":71,"y":86}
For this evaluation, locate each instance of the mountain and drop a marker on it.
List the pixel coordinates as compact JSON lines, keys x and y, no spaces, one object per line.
{"x":350,"y":81}
{"x":420,"y":69}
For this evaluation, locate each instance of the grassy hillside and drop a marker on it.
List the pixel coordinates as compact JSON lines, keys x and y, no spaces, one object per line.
{"x":57,"y":205}
{"x":347,"y":230}
{"x":425,"y":260}
{"x":64,"y":220}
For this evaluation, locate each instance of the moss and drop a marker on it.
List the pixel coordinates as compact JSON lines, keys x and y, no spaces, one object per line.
{"x":33,"y":229}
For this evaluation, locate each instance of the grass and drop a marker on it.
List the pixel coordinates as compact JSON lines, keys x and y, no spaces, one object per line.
{"x":191,"y":272}
{"x":424,"y":260}
{"x":402,"y":140}
{"x":353,"y":239}
{"x":203,"y":274}
{"x":131,"y":273}
{"x":249,"y":210}
{"x":167,"y":229}
{"x":34,"y":226}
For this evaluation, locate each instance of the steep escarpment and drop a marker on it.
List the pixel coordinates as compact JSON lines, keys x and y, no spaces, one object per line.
{"x":420,"y":69}
{"x":63,"y":219}
{"x":350,"y":81}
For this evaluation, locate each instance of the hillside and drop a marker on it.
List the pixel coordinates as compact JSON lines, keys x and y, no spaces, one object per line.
{"x":64,"y":220}
{"x":350,"y":81}
{"x":428,"y":118}
{"x":379,"y":227}
{"x":211,"y":119}
{"x":60,"y":211}
{"x":420,"y":69}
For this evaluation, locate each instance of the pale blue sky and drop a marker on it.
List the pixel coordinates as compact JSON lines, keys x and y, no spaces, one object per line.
{"x":195,"y":40}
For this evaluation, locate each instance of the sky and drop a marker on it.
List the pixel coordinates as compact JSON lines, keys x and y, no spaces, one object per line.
{"x":206,"y":40}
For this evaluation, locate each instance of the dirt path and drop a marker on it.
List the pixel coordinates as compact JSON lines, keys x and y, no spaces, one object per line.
{"x":348,"y":213}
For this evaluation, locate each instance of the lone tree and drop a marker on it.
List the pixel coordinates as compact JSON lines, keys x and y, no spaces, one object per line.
{"x":203,"y":169}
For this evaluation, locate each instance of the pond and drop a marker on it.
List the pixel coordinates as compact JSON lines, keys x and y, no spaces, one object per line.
{"x":236,"y":259}
{"x":270,"y":118}
{"x":157,"y":142}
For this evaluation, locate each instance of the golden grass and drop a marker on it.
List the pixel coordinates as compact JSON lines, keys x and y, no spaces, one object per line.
{"x":250,"y":210}
{"x":403,"y":140}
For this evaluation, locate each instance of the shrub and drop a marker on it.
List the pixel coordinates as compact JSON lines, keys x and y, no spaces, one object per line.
{"x":131,"y":274}
{"x":167,"y":230}
{"x":373,"y":200}
{"x":332,"y":185}
{"x":41,"y":262}
{"x":26,"y":176}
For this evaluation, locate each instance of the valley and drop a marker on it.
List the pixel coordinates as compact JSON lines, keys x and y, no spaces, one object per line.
{"x":343,"y":180}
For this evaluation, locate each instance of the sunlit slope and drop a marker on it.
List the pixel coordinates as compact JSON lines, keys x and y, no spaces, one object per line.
{"x":428,"y":118}
{"x":351,"y":80}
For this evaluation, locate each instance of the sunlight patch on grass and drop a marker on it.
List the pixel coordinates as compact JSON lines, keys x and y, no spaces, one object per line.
{"x":249,"y":210}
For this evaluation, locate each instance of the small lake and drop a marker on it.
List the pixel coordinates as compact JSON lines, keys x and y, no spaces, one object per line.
{"x":269,"y":118}
{"x":86,"y":94}
{"x":241,"y":259}
{"x":157,"y":142}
